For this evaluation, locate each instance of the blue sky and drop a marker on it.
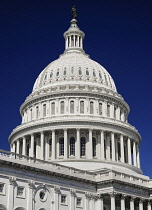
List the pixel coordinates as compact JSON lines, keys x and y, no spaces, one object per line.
{"x":118,"y":36}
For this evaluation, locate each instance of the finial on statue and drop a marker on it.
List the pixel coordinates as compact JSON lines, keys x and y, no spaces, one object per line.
{"x":74,"y":12}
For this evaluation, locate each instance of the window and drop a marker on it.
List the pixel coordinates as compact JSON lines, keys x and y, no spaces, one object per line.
{"x":20,"y":191}
{"x":100,"y":108}
{"x":45,"y":77}
{"x":79,"y":202}
{"x":64,"y":73}
{"x":83,"y":146}
{"x":1,"y":188}
{"x":44,"y":110}
{"x":62,"y":107}
{"x":94,"y":74}
{"x":114,"y":114}
{"x":72,"y":71}
{"x":81,"y":107}
{"x":108,"y":110}
{"x":71,"y":106}
{"x":100,"y":75}
{"x":72,"y":146}
{"x":61,"y":147}
{"x":57,"y":73}
{"x":37,"y":112}
{"x":31,"y":114}
{"x":87,"y":72}
{"x":63,"y":199}
{"x":80,"y":72}
{"x":53,"y":108}
{"x":51,"y":74}
{"x":50,"y":147}
{"x":94,"y":143}
{"x":91,"y":107}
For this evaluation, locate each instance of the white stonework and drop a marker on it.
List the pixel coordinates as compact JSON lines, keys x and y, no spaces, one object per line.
{"x":74,"y":148}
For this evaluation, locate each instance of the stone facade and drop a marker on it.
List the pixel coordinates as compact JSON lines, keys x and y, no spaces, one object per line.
{"x":74,"y":148}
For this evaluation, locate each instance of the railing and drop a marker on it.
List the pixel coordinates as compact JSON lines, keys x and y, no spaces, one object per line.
{"x":103,"y":175}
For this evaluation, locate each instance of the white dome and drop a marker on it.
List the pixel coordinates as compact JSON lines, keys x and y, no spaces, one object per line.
{"x":74,"y":67}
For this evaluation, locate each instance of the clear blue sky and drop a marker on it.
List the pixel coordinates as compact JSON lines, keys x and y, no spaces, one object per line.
{"x":118,"y":36}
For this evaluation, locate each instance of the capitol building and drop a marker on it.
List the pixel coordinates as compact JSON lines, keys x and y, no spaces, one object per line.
{"x":74,"y":149}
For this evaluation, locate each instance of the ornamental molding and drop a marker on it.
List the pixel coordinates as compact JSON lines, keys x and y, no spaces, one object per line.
{"x":12,"y":180}
{"x":132,"y":132}
{"x":31,"y":184}
{"x":57,"y":189}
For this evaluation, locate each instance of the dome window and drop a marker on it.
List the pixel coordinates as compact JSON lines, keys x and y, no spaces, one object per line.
{"x":94,"y":74}
{"x":100,"y":75}
{"x":87,"y":72}
{"x":51,"y":74}
{"x":80,"y":72}
{"x":57,"y":73}
{"x":45,"y":77}
{"x":64,"y":73}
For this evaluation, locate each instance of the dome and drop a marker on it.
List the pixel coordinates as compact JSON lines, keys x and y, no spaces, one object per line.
{"x":74,"y":67}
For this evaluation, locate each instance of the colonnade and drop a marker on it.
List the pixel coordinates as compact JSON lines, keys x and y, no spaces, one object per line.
{"x":86,"y":143}
{"x":122,"y":202}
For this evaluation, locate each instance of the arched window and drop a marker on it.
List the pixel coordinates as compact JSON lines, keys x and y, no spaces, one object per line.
{"x":100,"y":108}
{"x":64,"y":73}
{"x":94,"y":144}
{"x":114,"y":114}
{"x":31,"y":114}
{"x":87,"y":72}
{"x":57,"y":73}
{"x":80,"y":72}
{"x":83,"y":146}
{"x":81,"y":107}
{"x":50,"y":147}
{"x":100,"y":75}
{"x":120,"y":114}
{"x":72,"y":146}
{"x":71,"y":106}
{"x":45,"y":77}
{"x":91,"y":107}
{"x":53,"y":108}
{"x":62,"y":107}
{"x":108,"y":110}
{"x":37,"y":112}
{"x":61,"y":147}
{"x":51,"y":74}
{"x":94,"y":73}
{"x":44,"y":110}
{"x":119,"y":153}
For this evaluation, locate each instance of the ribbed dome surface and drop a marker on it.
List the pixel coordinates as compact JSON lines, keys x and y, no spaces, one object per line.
{"x":74,"y":67}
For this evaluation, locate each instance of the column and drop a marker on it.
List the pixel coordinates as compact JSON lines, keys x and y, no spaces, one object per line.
{"x":74,"y":41}
{"x":65,"y":144}
{"x":122,"y":202}
{"x":53,"y":145}
{"x":116,"y":143}
{"x":42,"y":145}
{"x":107,"y":147}
{"x":90,"y":148}
{"x":46,"y":148}
{"x":104,"y":109}
{"x":14,"y":147}
{"x":118,"y":113}
{"x":141,"y":204}
{"x":113,"y":206}
{"x":32,"y":146}
{"x":102,"y":145}
{"x":86,"y":201}
{"x":24,"y":146}
{"x":72,"y":199}
{"x":113,"y":146}
{"x":78,"y":144}
{"x":37,"y":148}
{"x":149,"y":205}
{"x":10,"y":201}
{"x":122,"y":148}
{"x":138,"y":157}
{"x":112,"y":111}
{"x":30,"y":195}
{"x":56,"y":197}
{"x":134,"y":153}
{"x":100,"y":202}
{"x":129,"y":151}
{"x":18,"y":145}
{"x":132,"y":203}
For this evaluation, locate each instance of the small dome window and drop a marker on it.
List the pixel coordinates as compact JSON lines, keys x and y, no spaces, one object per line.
{"x":64,"y":73}
{"x":100,"y":75}
{"x":51,"y":74}
{"x":94,"y":74}
{"x":80,"y":72}
{"x":57,"y":73}
{"x":105,"y":77}
{"x":45,"y":77}
{"x":87,"y":72}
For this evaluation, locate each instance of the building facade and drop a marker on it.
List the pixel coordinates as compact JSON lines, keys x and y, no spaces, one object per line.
{"x":74,"y":148}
